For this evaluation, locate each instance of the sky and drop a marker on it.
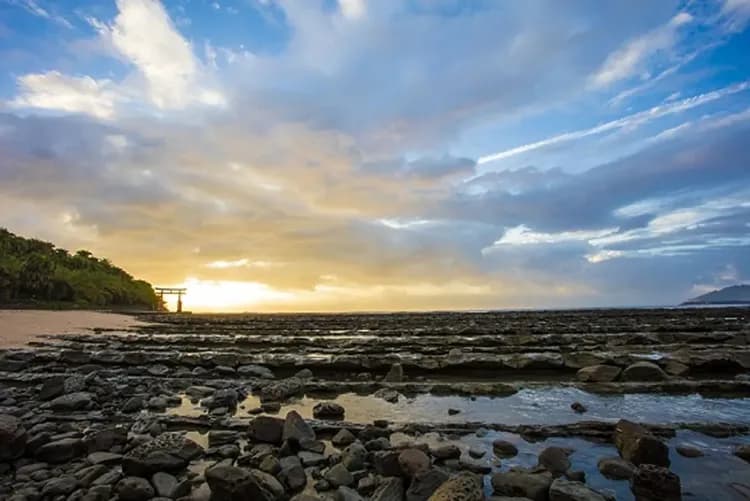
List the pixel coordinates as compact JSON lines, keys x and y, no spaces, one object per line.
{"x":305,"y":155}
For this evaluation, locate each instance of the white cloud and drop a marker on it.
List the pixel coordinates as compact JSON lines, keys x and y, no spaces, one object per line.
{"x":240,"y":263}
{"x":33,"y":8}
{"x":628,"y":60}
{"x":523,"y":235}
{"x":736,"y":14}
{"x":352,"y":9}
{"x":55,"y":91}
{"x":629,"y":121}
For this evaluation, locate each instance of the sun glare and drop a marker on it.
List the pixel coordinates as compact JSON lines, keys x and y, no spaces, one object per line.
{"x":226,"y":295}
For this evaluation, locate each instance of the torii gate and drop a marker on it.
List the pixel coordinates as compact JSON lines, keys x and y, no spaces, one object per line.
{"x":171,"y":290}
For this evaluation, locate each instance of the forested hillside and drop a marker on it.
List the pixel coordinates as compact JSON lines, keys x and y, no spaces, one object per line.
{"x":33,"y":271}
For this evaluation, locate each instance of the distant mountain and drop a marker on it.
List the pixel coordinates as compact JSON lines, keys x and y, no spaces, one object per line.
{"x":735,"y":294}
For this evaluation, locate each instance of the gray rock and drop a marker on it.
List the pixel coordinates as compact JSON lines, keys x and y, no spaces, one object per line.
{"x":266,"y":429}
{"x":134,"y":489}
{"x":168,"y":452}
{"x":413,"y":462}
{"x":304,"y":374}
{"x":281,"y":390}
{"x":77,"y":401}
{"x":386,"y":463}
{"x":296,"y":429}
{"x":464,"y":487}
{"x":59,"y":486}
{"x":566,"y":490}
{"x":598,"y":373}
{"x":448,"y":451}
{"x":292,"y":473}
{"x":643,"y":371}
{"x":311,"y":458}
{"x":390,"y":489}
{"x":639,"y":446}
{"x":354,"y":457}
{"x":106,"y":458}
{"x":743,"y":452}
{"x":199,"y":391}
{"x":87,"y":475}
{"x":520,"y":483}
{"x":344,"y":493}
{"x":504,"y":449}
{"x":230,"y":483}
{"x":477,"y":453}
{"x":328,"y":410}
{"x":387,"y":394}
{"x":12,"y":436}
{"x":270,"y":464}
{"x":424,"y":484}
{"x":343,"y":438}
{"x":60,"y":451}
{"x":688,"y":451}
{"x":106,"y":439}
{"x":222,"y":437}
{"x":255,"y":371}
{"x":555,"y":460}
{"x":616,"y":468}
{"x":338,"y":475}
{"x":652,"y":483}
{"x":395,"y":374}
{"x":134,"y":404}
{"x":164,"y":483}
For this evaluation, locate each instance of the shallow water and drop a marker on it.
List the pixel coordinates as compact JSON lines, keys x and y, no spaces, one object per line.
{"x":530,"y":406}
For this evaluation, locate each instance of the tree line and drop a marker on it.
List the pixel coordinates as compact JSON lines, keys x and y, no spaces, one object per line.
{"x":35,"y":271}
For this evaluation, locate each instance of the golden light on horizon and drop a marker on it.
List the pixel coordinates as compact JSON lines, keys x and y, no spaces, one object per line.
{"x":226,"y":296}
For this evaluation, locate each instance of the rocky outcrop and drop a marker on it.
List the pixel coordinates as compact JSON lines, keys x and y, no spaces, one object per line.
{"x":12,"y":437}
{"x":266,"y":429}
{"x":566,"y":490}
{"x":655,"y":483}
{"x":462,"y":487}
{"x":598,"y":374}
{"x":230,"y":483}
{"x":643,"y":371}
{"x":328,"y":410}
{"x":168,"y":452}
{"x":616,"y":468}
{"x":522,"y":483}
{"x":638,"y":446}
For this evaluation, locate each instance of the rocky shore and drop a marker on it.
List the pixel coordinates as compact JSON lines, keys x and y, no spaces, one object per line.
{"x":252,"y":407}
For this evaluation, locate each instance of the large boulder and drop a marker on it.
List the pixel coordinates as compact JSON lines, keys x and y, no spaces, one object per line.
{"x":598,"y":373}
{"x":266,"y":429}
{"x":522,"y":483}
{"x":555,"y":460}
{"x":395,"y":374}
{"x":296,"y":429}
{"x":655,"y":483}
{"x":638,"y":445}
{"x":168,"y":452}
{"x":12,"y":437}
{"x":230,"y":483}
{"x":424,"y":484}
{"x":566,"y":490}
{"x":643,"y":371}
{"x":464,"y":486}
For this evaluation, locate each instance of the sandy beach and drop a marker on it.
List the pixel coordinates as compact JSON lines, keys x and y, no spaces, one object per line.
{"x":18,"y":327}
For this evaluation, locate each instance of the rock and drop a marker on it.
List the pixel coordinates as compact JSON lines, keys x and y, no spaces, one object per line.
{"x":266,"y":429}
{"x":226,"y":398}
{"x":134,"y":404}
{"x":106,"y":458}
{"x":386,"y":463}
{"x":270,"y":464}
{"x":52,"y":388}
{"x":338,"y":475}
{"x":134,"y":489}
{"x":158,"y":370}
{"x":578,"y":407}
{"x":688,"y":451}
{"x":390,"y":489}
{"x":12,"y":436}
{"x":354,"y":457}
{"x":77,"y":401}
{"x":743,"y":452}
{"x":555,"y":460}
{"x":675,"y":368}
{"x":639,"y":446}
{"x":413,"y":462}
{"x":453,"y":412}
{"x":61,"y":486}
{"x":292,"y":473}
{"x":328,"y":410}
{"x":378,"y":444}
{"x":255,"y":371}
{"x":395,"y":374}
{"x":521,"y":483}
{"x":168,"y":452}
{"x":448,"y":451}
{"x":230,"y":483}
{"x":566,"y":490}
{"x":477,"y":453}
{"x":270,"y":407}
{"x":304,"y":374}
{"x":462,"y":487}
{"x":199,"y":391}
{"x":655,"y":483}
{"x":481,"y":468}
{"x":348,"y":494}
{"x":616,"y":468}
{"x":281,"y":390}
{"x":296,"y":429}
{"x":106,"y":439}
{"x":157,"y":403}
{"x":221,"y":437}
{"x":643,"y":371}
{"x":424,"y":484}
{"x":598,"y":374}
{"x":60,"y":451}
{"x":504,"y":449}
{"x":311,"y":458}
{"x":343,"y":438}
{"x":164,"y":483}
{"x":269,"y":483}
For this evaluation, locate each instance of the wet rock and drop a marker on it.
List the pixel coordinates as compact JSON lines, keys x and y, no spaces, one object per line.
{"x":390,"y":489}
{"x":598,"y":374}
{"x":270,"y":407}
{"x":77,"y":401}
{"x":354,"y":457}
{"x":387,"y":394}
{"x":164,"y":484}
{"x":230,"y":483}
{"x":675,"y":368}
{"x":60,"y":451}
{"x":338,"y":475}
{"x":554,"y":460}
{"x":281,"y":390}
{"x":395,"y":374}
{"x":296,"y":429}
{"x":477,"y":453}
{"x":413,"y":462}
{"x":134,"y":489}
{"x":107,"y":458}
{"x":639,"y":446}
{"x":266,"y":429}
{"x":424,"y":484}
{"x":199,"y":391}
{"x":504,"y":449}
{"x":343,"y":438}
{"x":226,"y":398}
{"x":655,"y":483}
{"x":328,"y":410}
{"x":12,"y":437}
{"x":292,"y":474}
{"x":378,"y":444}
{"x":157,"y":403}
{"x":52,"y":388}
{"x":106,"y":439}
{"x":348,"y":494}
{"x":61,"y":486}
{"x":168,"y":452}
{"x":578,"y":407}
{"x":453,"y":412}
{"x":462,"y":487}
{"x":643,"y":371}
{"x":522,"y":483}
{"x":448,"y":451}
{"x":386,"y":463}
{"x":566,"y":490}
{"x":481,"y":468}
{"x":158,"y":370}
{"x":221,"y":437}
{"x":270,"y":464}
{"x":134,"y":404}
{"x":688,"y":451}
{"x":311,"y":458}
{"x":304,"y":374}
{"x":255,"y":371}
{"x":743,"y":452}
{"x":616,"y":468}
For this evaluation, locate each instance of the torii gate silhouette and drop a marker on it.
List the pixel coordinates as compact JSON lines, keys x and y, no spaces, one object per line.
{"x":171,"y":290}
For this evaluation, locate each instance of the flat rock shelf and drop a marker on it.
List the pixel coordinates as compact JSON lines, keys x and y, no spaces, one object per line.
{"x":574,"y":405}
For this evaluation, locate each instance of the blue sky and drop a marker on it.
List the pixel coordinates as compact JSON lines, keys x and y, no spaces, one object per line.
{"x":355,"y":154}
